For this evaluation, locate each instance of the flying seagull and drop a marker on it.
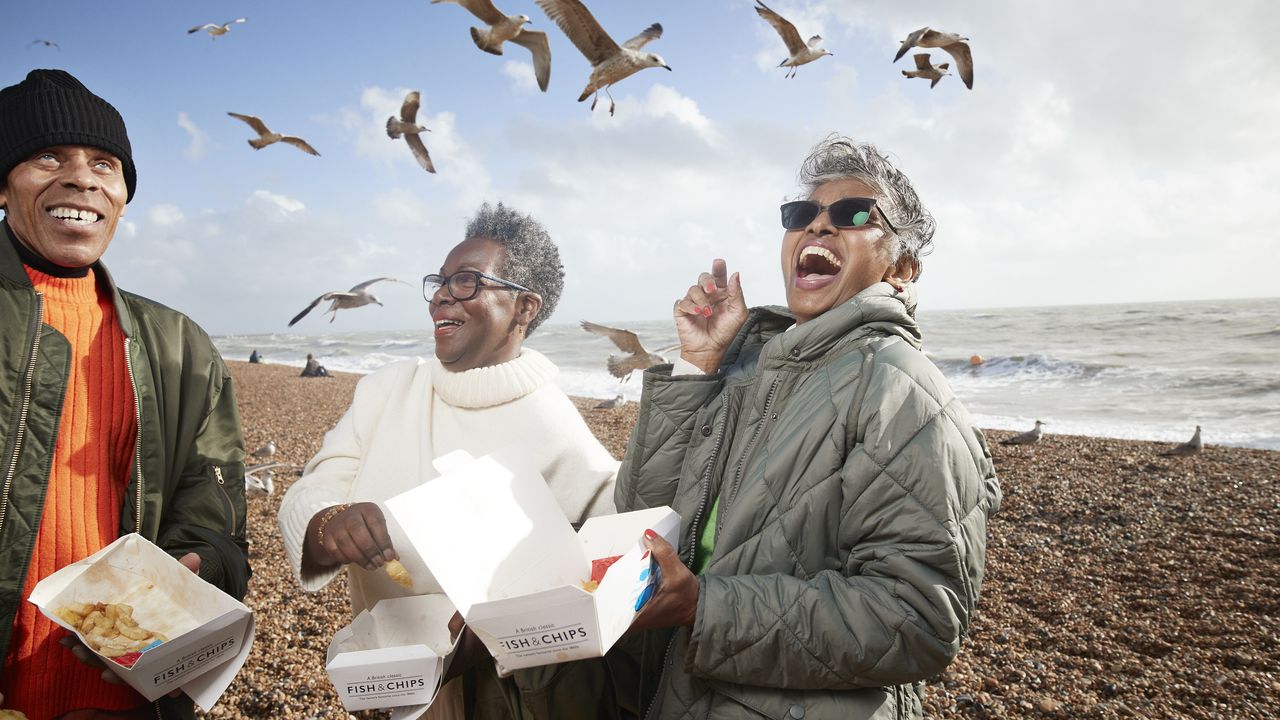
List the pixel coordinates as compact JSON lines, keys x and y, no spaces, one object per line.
{"x":1029,"y":437}
{"x":266,"y":451}
{"x":956,"y":46}
{"x":1190,"y":447}
{"x":801,"y":53}
{"x":355,"y":297}
{"x":46,"y":43}
{"x":259,"y":480}
{"x":266,"y":137}
{"x":503,"y":27}
{"x":621,"y":366}
{"x":610,"y":62}
{"x":929,"y":71}
{"x":407,"y":126}
{"x":215,"y":29}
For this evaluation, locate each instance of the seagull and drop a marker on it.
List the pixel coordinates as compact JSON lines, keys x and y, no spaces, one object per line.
{"x":621,"y":366}
{"x":1190,"y":447}
{"x":610,"y":63}
{"x":611,"y":403}
{"x":259,"y":480}
{"x":215,"y":29}
{"x":956,"y":46}
{"x":46,"y":43}
{"x":929,"y":71}
{"x":266,"y":137}
{"x":357,"y":296}
{"x":1029,"y":437}
{"x":265,"y":451}
{"x":503,"y":27}
{"x":800,"y":52}
{"x":411,"y":131}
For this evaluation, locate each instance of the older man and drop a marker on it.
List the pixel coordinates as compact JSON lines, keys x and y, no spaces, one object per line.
{"x":116,"y":413}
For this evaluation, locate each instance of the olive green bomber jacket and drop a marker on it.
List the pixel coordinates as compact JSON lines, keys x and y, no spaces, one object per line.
{"x":186,"y":487}
{"x":854,"y":498}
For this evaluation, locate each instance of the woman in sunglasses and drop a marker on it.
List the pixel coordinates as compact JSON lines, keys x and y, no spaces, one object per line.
{"x":483,"y":391}
{"x":833,"y":493}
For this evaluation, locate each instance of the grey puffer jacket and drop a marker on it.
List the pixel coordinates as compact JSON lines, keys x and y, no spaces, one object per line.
{"x":854,"y":497}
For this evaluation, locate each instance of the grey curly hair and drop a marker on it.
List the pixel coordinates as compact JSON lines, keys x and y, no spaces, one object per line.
{"x":840,"y":158}
{"x":532,"y":258}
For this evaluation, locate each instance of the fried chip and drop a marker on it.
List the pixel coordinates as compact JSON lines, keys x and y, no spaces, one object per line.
{"x":12,"y":715}
{"x":398,"y":574}
{"x":108,"y":628}
{"x":589,"y":585}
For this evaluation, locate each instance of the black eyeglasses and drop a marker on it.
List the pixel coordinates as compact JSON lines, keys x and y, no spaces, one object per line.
{"x":463,"y":285}
{"x":850,"y":212}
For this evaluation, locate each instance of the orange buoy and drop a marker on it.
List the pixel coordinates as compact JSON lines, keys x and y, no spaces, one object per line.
{"x":976,"y":360}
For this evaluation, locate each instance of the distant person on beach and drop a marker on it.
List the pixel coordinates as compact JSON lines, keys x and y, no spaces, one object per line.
{"x":254,"y":357}
{"x":833,"y":493}
{"x":313,"y":368}
{"x":483,"y":391}
{"x":116,"y":413}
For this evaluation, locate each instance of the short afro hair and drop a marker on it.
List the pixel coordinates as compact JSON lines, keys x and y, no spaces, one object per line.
{"x":532,"y":258}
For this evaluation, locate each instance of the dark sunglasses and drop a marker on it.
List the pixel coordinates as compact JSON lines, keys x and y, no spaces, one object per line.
{"x":850,"y":212}
{"x":463,"y":285}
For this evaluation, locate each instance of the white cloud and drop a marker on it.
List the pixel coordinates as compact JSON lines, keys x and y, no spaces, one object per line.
{"x":199,"y":138}
{"x":521,"y":76}
{"x":281,"y":203}
{"x":165,"y":215}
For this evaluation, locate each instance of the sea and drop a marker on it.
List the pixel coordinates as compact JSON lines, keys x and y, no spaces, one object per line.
{"x":1150,"y":371}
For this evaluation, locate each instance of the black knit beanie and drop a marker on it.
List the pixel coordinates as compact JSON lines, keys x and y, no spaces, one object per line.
{"x":52,"y":108}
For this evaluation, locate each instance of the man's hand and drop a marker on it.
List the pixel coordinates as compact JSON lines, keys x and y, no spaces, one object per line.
{"x":357,"y":536}
{"x":675,"y":602}
{"x":709,"y":316}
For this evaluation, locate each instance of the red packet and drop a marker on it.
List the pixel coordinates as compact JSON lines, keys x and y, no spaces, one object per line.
{"x":601,"y":565}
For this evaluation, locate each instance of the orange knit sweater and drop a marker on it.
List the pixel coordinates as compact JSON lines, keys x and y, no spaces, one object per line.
{"x":87,"y":481}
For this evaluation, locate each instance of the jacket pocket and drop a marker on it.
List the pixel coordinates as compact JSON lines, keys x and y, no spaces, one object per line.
{"x":223,"y":474}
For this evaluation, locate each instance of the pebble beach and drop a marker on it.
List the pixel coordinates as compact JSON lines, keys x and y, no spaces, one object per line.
{"x":1118,"y":583}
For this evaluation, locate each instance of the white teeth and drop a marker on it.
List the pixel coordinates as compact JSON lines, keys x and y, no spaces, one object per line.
{"x":443,"y":323}
{"x":820,"y":252}
{"x":79,"y":217}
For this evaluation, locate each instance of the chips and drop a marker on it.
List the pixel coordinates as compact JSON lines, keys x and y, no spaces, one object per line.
{"x":12,"y":715}
{"x":599,"y":567}
{"x":589,"y":585}
{"x":398,"y":574}
{"x":109,"y":630}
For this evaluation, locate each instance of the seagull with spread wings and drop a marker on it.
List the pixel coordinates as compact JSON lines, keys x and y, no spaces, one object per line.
{"x":408,"y":126}
{"x":266,"y":137}
{"x":215,"y":29}
{"x":503,"y":28}
{"x":955,"y":46}
{"x":621,"y":366}
{"x":357,"y":296}
{"x":45,"y":43}
{"x":927,"y":70}
{"x":610,"y":62}
{"x":801,"y":52}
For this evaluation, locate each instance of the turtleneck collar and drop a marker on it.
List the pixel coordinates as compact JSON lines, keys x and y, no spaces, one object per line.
{"x":33,"y":260}
{"x":494,"y":385}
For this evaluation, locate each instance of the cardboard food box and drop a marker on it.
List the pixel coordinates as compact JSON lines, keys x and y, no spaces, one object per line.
{"x":501,"y":548}
{"x":393,"y":655}
{"x":209,"y":632}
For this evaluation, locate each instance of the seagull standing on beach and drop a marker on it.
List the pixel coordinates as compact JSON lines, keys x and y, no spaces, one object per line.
{"x":1030,"y":437}
{"x":611,"y":403}
{"x":1190,"y":447}
{"x":357,"y":296}
{"x":610,"y":62}
{"x":215,"y":29}
{"x":503,"y":28}
{"x":927,"y":70}
{"x":259,"y":480}
{"x":407,"y":126}
{"x":266,"y":451}
{"x":267,"y":137}
{"x":955,"y":46}
{"x":801,"y":53}
{"x":621,"y":366}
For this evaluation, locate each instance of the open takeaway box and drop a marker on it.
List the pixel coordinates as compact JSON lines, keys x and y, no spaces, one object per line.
{"x":207,"y":633}
{"x":503,"y":551}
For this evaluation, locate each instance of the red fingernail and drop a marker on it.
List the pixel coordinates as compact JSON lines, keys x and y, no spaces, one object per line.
{"x":650,"y":534}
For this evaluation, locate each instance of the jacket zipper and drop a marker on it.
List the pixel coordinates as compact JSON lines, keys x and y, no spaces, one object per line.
{"x":231,"y":507}
{"x":20,"y":431}
{"x":747,"y":451}
{"x":137,"y":443}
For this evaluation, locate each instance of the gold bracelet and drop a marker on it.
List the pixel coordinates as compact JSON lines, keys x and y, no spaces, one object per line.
{"x":329,"y":514}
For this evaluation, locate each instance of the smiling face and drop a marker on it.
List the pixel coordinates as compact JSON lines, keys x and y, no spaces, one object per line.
{"x":824,"y":265}
{"x":64,"y":203}
{"x":489,"y":328}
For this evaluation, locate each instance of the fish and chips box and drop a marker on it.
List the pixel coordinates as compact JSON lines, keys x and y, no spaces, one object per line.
{"x":499,"y":545}
{"x":393,"y":655}
{"x":209,"y":632}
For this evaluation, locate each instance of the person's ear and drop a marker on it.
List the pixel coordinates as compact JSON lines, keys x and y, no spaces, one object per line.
{"x":527,"y":307}
{"x":902,"y":273}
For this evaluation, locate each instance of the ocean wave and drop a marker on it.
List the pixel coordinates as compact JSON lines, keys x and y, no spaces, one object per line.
{"x":1020,"y":368}
{"x":1272,"y":333}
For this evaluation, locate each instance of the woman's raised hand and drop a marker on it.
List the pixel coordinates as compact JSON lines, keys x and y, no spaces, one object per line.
{"x":356,"y":535}
{"x":709,"y":316}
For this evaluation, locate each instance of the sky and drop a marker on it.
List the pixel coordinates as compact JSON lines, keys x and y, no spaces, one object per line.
{"x":1108,"y":152}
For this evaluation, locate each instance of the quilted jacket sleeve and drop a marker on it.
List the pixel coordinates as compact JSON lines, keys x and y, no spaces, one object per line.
{"x":917,"y":486}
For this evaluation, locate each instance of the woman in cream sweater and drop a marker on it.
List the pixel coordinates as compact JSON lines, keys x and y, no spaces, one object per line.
{"x":482,"y":392}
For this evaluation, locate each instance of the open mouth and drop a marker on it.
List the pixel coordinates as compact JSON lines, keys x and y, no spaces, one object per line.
{"x":445,"y":326}
{"x":72,"y":216}
{"x":817,"y":260}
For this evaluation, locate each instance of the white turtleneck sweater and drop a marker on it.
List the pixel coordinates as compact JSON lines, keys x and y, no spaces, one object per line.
{"x":409,"y":413}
